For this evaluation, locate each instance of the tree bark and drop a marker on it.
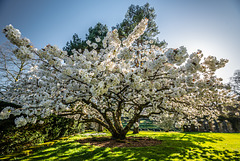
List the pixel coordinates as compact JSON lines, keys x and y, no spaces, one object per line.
{"x":135,"y":130}
{"x":121,"y":135}
{"x":99,"y":128}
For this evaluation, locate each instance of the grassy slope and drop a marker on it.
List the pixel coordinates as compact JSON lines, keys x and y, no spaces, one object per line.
{"x":175,"y":146}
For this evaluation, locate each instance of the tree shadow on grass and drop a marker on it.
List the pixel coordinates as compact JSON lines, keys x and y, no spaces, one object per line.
{"x":174,"y":147}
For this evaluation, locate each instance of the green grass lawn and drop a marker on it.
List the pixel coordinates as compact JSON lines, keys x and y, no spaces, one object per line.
{"x":175,"y":146}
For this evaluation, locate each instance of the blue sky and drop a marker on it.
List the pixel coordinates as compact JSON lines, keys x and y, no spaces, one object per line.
{"x":210,"y":25}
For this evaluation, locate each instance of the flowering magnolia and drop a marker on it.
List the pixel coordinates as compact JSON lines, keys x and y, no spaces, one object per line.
{"x":103,"y":86}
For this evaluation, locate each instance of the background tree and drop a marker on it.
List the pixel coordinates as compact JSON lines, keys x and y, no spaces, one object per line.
{"x":96,"y":34}
{"x":93,"y":39}
{"x":234,"y":114}
{"x":133,"y":17}
{"x":75,"y":43}
{"x":235,"y":82}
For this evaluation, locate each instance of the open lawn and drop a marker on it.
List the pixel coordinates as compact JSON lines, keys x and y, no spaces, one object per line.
{"x":174,"y":146}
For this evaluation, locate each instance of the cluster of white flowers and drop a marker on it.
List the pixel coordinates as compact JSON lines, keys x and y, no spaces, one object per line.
{"x":137,"y":32}
{"x":94,"y":45}
{"x":118,"y":80}
{"x":177,"y":56}
{"x":126,"y":54}
{"x":213,"y":64}
{"x":193,"y":64}
{"x":5,"y":113}
{"x":20,"y":121}
{"x":14,"y":35}
{"x":111,"y":40}
{"x":31,"y":120}
{"x":23,"y":53}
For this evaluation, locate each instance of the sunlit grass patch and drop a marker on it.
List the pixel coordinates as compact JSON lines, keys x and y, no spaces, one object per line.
{"x":174,"y":146}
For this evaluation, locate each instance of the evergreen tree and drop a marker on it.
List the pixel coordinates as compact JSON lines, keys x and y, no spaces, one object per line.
{"x":133,"y":16}
{"x":98,"y":31}
{"x":75,"y":43}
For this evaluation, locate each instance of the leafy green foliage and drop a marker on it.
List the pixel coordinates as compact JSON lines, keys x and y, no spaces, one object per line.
{"x":14,"y":139}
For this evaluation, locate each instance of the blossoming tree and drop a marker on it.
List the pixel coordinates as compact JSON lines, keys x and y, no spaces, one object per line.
{"x":102,"y":86}
{"x":235,"y":82}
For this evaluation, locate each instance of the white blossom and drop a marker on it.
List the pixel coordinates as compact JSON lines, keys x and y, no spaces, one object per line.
{"x":41,"y":122}
{"x":5,"y":113}
{"x":98,"y":39}
{"x":20,"y":121}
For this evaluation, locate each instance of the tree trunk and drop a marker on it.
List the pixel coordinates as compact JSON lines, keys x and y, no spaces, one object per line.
{"x":120,"y":135}
{"x":99,"y":128}
{"x":135,"y":130}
